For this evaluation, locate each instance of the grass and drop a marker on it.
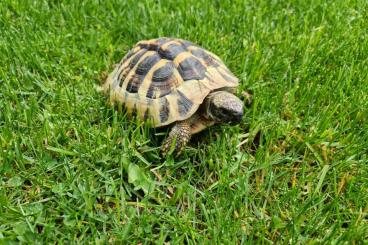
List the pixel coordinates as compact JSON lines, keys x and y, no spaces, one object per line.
{"x":75,"y":170}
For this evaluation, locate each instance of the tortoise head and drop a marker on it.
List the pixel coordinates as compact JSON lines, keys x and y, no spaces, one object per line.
{"x":223,"y":107}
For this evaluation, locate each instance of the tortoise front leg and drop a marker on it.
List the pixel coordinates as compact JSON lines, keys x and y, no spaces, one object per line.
{"x":178,"y":137}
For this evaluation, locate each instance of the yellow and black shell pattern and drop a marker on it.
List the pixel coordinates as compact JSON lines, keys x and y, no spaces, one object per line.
{"x":165,"y":80}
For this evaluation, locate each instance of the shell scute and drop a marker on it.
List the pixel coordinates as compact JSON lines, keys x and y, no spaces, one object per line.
{"x":171,"y":51}
{"x":184,"y":104}
{"x":161,"y":74}
{"x":134,"y":82}
{"x":191,"y":68}
{"x":137,"y":57}
{"x":187,"y":44}
{"x":153,"y":44}
{"x":164,"y":110}
{"x":145,"y":65}
{"x":207,"y":59}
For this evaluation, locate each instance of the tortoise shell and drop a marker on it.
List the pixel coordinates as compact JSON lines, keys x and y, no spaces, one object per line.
{"x":166,"y":79}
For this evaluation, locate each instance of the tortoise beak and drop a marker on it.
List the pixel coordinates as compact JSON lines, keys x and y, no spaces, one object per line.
{"x":236,"y":118}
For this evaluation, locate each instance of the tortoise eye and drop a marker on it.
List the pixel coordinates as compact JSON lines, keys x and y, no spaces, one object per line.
{"x":225,"y":111}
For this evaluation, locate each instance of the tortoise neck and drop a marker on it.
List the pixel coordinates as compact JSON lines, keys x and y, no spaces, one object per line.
{"x":209,"y":105}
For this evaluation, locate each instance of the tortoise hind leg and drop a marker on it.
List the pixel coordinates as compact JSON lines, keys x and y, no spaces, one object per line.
{"x":178,"y":137}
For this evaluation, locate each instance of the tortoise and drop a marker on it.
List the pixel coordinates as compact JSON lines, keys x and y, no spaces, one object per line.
{"x":171,"y":81}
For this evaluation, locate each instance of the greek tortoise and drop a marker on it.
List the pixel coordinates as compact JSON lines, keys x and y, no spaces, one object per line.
{"x":175,"y":82}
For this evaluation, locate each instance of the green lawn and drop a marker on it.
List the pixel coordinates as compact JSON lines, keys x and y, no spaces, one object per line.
{"x":294,"y":171}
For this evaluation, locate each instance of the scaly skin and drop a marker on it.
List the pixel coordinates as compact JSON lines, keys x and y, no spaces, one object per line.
{"x":179,"y":135}
{"x":219,"y":106}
